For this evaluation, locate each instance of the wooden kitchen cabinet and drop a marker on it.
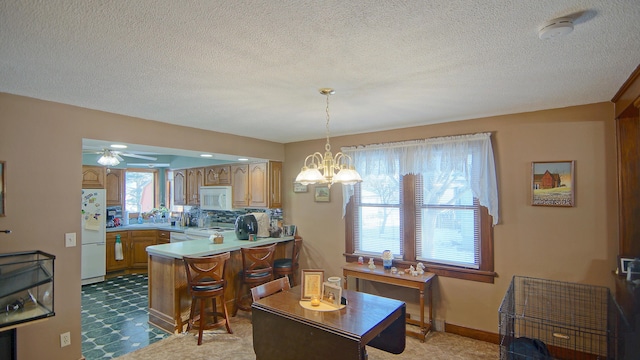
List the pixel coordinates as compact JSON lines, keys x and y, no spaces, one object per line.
{"x":163,"y":237}
{"x":93,"y":177}
{"x":180,"y":187}
{"x":275,"y":184}
{"x":134,"y":249}
{"x":257,"y":185}
{"x":240,"y":185}
{"x":139,"y":240}
{"x":217,"y":175}
{"x":115,"y":187}
{"x":112,"y":263}
{"x":195,"y":179}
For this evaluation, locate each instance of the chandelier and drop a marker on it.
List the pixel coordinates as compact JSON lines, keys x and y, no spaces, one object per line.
{"x":108,"y":159}
{"x":328,"y":169}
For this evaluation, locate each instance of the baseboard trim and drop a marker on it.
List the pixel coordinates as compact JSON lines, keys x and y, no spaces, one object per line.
{"x":472,"y":333}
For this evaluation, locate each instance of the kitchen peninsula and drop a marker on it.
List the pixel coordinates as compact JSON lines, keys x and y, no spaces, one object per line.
{"x":169,"y":301}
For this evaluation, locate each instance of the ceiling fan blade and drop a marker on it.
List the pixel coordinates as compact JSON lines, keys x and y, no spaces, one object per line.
{"x":150,"y":158}
{"x":118,"y":157}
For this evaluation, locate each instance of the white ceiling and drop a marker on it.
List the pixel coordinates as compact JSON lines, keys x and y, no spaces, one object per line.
{"x":254,"y":68}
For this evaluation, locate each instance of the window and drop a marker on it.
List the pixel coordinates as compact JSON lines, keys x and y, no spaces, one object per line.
{"x":430,"y":213}
{"x":141,"y":189}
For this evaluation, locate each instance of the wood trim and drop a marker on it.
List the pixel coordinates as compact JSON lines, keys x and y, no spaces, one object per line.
{"x":408,"y":214}
{"x":627,"y":94}
{"x":472,"y":333}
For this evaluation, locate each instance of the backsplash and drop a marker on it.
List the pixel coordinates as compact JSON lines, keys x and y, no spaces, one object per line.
{"x":229,"y":217}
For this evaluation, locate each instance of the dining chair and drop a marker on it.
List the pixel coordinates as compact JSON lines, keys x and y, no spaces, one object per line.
{"x":270,"y":288}
{"x":289,"y":266}
{"x":257,"y":269}
{"x":205,"y":281}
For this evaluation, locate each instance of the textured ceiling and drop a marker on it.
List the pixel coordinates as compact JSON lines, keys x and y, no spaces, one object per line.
{"x":254,"y":68}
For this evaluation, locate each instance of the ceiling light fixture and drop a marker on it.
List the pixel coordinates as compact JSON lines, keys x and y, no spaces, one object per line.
{"x":108,"y":159}
{"x":206,"y":155}
{"x":328,"y":169}
{"x":118,"y":146}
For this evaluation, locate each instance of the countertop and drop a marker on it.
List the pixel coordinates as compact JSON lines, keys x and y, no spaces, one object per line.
{"x":205,"y":247}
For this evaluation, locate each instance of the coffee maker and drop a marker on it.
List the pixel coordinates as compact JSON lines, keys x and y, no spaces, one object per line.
{"x":245,"y":225}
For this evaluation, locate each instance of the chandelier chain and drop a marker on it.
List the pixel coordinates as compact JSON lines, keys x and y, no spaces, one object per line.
{"x":327,"y":147}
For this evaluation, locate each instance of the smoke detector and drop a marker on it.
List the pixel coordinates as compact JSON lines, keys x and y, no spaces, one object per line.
{"x":556,"y":28}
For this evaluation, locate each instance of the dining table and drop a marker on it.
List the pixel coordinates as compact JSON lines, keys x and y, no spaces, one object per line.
{"x":286,"y":327}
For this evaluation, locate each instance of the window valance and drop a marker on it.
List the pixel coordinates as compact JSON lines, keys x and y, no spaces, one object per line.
{"x":469,"y":155}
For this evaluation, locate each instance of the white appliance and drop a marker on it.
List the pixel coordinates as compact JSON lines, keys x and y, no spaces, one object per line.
{"x":94,"y":236}
{"x":215,"y":198}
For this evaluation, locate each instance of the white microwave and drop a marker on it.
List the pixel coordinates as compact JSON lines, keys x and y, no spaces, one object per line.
{"x":215,"y":198}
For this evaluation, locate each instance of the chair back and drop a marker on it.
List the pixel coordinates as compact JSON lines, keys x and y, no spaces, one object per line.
{"x":257,"y":262}
{"x":270,"y":288}
{"x":205,"y":275}
{"x":295,"y":256}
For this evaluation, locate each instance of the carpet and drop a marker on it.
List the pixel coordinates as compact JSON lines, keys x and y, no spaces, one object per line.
{"x":218,"y":344}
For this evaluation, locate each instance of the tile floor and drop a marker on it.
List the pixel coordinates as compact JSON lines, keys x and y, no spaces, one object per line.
{"x":115,"y":317}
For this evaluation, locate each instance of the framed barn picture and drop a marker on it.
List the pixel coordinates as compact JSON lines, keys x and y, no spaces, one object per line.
{"x":553,"y":183}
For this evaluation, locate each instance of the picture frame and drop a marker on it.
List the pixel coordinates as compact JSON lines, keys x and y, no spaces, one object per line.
{"x":311,"y":283}
{"x":623,"y":263}
{"x":299,"y":188}
{"x":553,"y":183}
{"x":322,"y":193}
{"x":3,"y":189}
{"x":290,"y":230}
{"x":331,"y":294}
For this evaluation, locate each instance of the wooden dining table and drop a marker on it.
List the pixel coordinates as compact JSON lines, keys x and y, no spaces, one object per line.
{"x":284,"y":329}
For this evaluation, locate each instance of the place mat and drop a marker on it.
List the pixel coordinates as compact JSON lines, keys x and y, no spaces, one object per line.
{"x":322,"y":307}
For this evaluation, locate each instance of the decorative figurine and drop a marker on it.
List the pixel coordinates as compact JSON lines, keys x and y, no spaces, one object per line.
{"x":371,"y":264}
{"x":387,"y":259}
{"x":420,"y":268}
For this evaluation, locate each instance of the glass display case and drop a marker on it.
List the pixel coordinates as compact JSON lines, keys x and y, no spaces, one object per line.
{"x":26,"y":287}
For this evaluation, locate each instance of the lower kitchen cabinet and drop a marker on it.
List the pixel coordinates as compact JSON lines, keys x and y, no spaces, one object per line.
{"x":164,"y":237}
{"x":112,"y":263}
{"x":134,"y":248}
{"x":140,"y":239}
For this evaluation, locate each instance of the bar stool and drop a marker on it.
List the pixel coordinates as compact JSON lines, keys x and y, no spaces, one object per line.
{"x":289,"y":266}
{"x":257,"y":268}
{"x":205,"y":281}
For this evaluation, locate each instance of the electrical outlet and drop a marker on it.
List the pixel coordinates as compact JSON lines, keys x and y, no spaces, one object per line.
{"x":65,"y":339}
{"x":70,"y":239}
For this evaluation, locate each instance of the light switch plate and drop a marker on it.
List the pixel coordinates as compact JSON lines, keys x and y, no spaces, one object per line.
{"x":70,"y":239}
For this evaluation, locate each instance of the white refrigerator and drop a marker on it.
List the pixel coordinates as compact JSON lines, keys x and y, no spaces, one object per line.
{"x":94,"y":256}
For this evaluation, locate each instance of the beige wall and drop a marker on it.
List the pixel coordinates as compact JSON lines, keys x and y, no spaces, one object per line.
{"x":41,"y":143}
{"x":577,"y":244}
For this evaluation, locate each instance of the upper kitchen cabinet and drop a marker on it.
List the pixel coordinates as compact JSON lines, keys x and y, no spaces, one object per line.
{"x":217,"y":175}
{"x":195,"y":179}
{"x":93,"y":177}
{"x":257,"y":185}
{"x":180,"y":187}
{"x":115,"y":186}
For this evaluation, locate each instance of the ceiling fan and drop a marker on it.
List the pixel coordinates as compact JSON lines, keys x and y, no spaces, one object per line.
{"x":114,"y":157}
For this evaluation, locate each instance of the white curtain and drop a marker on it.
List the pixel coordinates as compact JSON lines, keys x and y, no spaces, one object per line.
{"x":471,"y":155}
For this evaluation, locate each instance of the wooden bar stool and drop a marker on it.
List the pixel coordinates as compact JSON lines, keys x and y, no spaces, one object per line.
{"x":289,"y":266}
{"x":257,"y":268}
{"x":205,"y":281}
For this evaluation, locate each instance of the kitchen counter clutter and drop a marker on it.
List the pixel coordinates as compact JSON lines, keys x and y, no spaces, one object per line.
{"x":148,"y":226}
{"x":169,"y":300}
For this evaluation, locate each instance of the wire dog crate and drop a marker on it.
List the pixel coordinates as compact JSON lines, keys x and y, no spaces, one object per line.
{"x":546,"y":319}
